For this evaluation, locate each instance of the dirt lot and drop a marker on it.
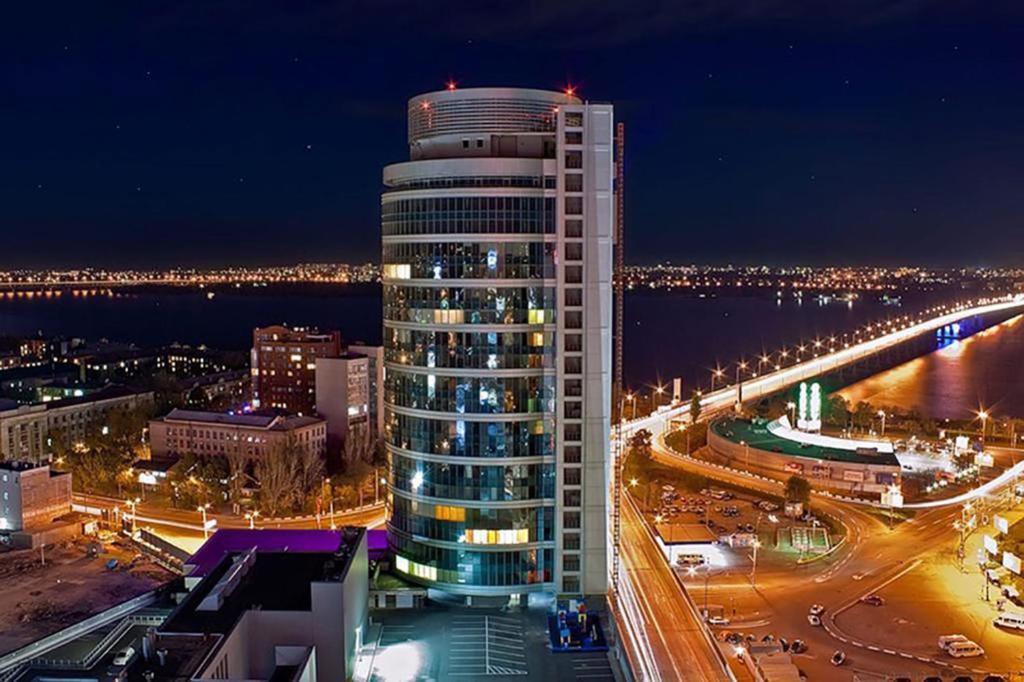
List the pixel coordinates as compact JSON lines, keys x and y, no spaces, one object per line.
{"x":40,"y":599}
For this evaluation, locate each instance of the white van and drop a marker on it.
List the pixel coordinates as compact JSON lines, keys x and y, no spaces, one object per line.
{"x":1013,"y":621}
{"x":946,"y":640}
{"x":966,"y":649}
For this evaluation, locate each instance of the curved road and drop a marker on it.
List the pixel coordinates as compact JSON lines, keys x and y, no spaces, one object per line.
{"x":872,"y":557}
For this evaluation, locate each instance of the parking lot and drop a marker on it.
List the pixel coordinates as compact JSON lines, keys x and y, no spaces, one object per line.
{"x":442,"y":643}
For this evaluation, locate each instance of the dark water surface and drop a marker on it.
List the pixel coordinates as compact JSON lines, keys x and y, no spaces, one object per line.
{"x":667,"y":335}
{"x":985,"y":371}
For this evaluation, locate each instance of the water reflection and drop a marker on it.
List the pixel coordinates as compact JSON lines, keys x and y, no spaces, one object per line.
{"x":984,"y":370}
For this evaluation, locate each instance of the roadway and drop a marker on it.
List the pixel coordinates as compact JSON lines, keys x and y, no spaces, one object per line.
{"x":872,"y":558}
{"x":189,"y":523}
{"x":679,"y":647}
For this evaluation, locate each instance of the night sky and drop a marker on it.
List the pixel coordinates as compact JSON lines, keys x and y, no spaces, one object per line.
{"x":212,"y":133}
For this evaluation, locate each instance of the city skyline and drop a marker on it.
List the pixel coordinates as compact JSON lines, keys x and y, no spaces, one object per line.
{"x":192,"y":138}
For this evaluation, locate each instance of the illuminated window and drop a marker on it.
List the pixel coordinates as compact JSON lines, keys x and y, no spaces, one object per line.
{"x":415,"y":569}
{"x":398,"y":271}
{"x":445,"y":513}
{"x":516,"y":536}
{"x":535,"y":317}
{"x":296,"y":357}
{"x":537,"y":339}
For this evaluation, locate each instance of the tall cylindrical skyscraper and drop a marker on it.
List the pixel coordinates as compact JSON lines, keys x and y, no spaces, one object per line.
{"x":497,"y":257}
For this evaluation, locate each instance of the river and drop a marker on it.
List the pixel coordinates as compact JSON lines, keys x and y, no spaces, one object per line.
{"x":667,"y":334}
{"x":984,"y":371}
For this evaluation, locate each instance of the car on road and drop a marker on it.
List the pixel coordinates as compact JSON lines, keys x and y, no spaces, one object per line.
{"x":838,"y":658}
{"x":717,"y":620}
{"x":798,"y":646}
{"x":873,"y":600}
{"x":734,"y":638}
{"x":816,"y":609}
{"x":814,"y":620}
{"x":124,"y":656}
{"x":966,"y":649}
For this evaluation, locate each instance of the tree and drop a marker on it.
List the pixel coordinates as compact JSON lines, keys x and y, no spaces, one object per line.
{"x":695,"y":407}
{"x":838,"y":410}
{"x":798,"y":490}
{"x":238,"y":466}
{"x":278,"y":476}
{"x":640,"y":446}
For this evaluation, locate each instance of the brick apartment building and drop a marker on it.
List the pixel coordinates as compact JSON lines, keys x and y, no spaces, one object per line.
{"x":284,"y":366}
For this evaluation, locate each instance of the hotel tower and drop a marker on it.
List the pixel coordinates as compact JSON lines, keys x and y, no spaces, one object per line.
{"x":497,"y":274}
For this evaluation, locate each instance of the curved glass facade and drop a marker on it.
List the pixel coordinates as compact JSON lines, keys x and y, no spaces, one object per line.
{"x":465,"y":257}
{"x":469,"y":350}
{"x":443,"y":305}
{"x":473,"y":260}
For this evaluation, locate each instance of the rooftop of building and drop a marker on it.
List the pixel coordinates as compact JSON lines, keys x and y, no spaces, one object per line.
{"x":109,"y":392}
{"x":297,"y":334}
{"x":255,"y":420}
{"x":233,"y":540}
{"x":44,"y":370}
{"x":684,"y":533}
{"x":249,"y":572}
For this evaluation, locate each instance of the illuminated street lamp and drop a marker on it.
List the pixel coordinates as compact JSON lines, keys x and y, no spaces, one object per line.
{"x":740,"y":367}
{"x":983,"y":416}
{"x":791,"y":406}
{"x":753,"y":572}
{"x":132,"y":505}
{"x":202,"y":510}
{"x":716,"y":374}
{"x":881,"y":413}
{"x":251,"y":517}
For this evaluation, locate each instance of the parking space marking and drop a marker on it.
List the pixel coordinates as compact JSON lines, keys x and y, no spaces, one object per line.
{"x":486,"y":645}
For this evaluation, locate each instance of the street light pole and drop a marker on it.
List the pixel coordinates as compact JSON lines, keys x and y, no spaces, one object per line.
{"x":881,"y":413}
{"x":753,"y":572}
{"x":740,"y":367}
{"x":202,"y":510}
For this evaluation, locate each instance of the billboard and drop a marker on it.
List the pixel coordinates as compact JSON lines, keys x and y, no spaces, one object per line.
{"x":1001,"y":524}
{"x":853,"y":475}
{"x":991,"y":546}
{"x":1012,"y":562}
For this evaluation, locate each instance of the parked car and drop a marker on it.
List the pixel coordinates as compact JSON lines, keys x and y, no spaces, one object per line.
{"x":816,"y":609}
{"x":814,"y":620}
{"x":838,"y":658}
{"x":798,"y":646}
{"x":718,"y":621}
{"x":946,"y":640}
{"x":124,"y":656}
{"x":1012,"y":621}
